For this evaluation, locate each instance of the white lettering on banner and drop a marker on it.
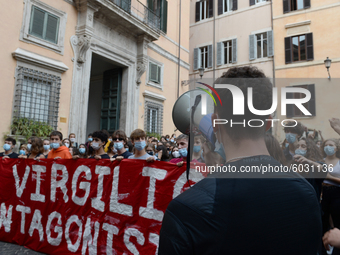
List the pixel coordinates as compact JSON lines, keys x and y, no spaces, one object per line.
{"x":6,"y":221}
{"x":82,"y":185}
{"x":23,"y":210}
{"x":140,"y":239}
{"x":115,"y":206}
{"x":37,"y":196}
{"x":154,"y":238}
{"x":149,"y":212}
{"x":87,"y":238}
{"x":59,"y":184}
{"x":97,"y":203}
{"x":57,"y":229}
{"x":73,"y":219}
{"x":193,"y":176}
{"x":111,"y":230}
{"x":36,"y":224}
{"x":20,"y":188}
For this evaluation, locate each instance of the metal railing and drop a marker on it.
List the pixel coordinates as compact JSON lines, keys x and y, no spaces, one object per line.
{"x":140,"y":11}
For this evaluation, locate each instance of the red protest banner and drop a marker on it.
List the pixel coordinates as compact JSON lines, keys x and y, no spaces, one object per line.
{"x":87,"y":206}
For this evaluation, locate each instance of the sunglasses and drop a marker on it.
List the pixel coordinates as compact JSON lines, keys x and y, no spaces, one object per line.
{"x":120,"y":139}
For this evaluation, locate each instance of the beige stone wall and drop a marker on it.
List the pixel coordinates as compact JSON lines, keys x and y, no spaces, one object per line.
{"x":11,"y":19}
{"x":323,"y":21}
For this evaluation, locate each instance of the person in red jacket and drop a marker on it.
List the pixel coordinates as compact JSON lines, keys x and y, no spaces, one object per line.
{"x":58,"y":150}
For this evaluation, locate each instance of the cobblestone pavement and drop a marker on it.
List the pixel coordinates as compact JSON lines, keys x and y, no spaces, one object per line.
{"x":13,"y":249}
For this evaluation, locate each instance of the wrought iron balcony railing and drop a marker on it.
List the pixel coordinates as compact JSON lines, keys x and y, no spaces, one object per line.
{"x":140,"y":11}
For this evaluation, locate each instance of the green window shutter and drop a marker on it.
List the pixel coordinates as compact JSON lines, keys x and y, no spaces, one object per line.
{"x":150,"y":4}
{"x":153,"y":73}
{"x":159,"y":74}
{"x":52,"y":28}
{"x":37,"y":22}
{"x":164,"y":16}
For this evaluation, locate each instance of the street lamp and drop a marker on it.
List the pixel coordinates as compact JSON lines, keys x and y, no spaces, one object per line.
{"x":328,"y":65}
{"x":201,"y":70}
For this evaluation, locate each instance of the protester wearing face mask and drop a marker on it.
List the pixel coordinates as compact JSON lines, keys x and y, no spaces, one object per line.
{"x":197,"y":150}
{"x":174,"y":153}
{"x":150,"y":149}
{"x":98,"y":143}
{"x":58,"y":150}
{"x":35,"y":149}
{"x":111,"y":151}
{"x":67,"y":143}
{"x":47,"y":147}
{"x":119,"y":144}
{"x":8,"y":147}
{"x":81,"y":152}
{"x":292,"y":137}
{"x":138,"y":140}
{"x":89,"y":140}
{"x":23,"y":149}
{"x":182,"y":143}
{"x":73,"y":141}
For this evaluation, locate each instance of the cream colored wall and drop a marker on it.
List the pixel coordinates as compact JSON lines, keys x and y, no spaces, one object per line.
{"x":325,"y":21}
{"x":236,"y":24}
{"x":11,"y":20}
{"x":170,"y":76}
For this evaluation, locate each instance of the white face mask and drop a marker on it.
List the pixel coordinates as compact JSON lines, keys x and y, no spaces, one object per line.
{"x":73,"y":140}
{"x":67,"y":145}
{"x":95,"y":146}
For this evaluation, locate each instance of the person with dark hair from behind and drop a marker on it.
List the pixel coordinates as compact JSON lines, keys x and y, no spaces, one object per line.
{"x":162,"y":153}
{"x":274,"y":148}
{"x":8,"y":147}
{"x":99,"y":141}
{"x":58,"y":150}
{"x":120,"y":140}
{"x":292,"y":137}
{"x":226,"y":215}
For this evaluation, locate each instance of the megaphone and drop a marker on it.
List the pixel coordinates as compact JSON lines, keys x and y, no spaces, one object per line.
{"x":188,"y":116}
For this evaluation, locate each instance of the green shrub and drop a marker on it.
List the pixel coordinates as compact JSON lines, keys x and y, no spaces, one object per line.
{"x":28,"y":127}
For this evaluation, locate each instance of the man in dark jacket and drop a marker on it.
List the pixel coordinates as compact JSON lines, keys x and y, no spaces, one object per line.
{"x":225,"y":214}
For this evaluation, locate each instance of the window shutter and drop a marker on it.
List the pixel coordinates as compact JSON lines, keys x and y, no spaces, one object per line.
{"x":234,"y":51}
{"x":211,"y":8}
{"x":37,"y":22}
{"x":196,"y":59}
{"x":251,"y":2}
{"x":126,"y":5}
{"x":311,"y":103}
{"x":52,"y":29}
{"x":210,"y":56}
{"x":153,"y":73}
{"x":309,"y":44}
{"x":288,"y":50}
{"x":285,"y":6}
{"x":198,"y":7}
{"x":220,"y":7}
{"x":219,"y":53}
{"x":252,"y":53}
{"x":164,"y":18}
{"x":270,"y":48}
{"x":290,"y":107}
{"x":306,"y":4}
{"x":159,"y":74}
{"x":234,"y":5}
{"x":150,"y":5}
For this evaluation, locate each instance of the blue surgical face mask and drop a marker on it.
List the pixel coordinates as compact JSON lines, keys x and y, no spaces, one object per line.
{"x":155,"y":146}
{"x":90,"y":139}
{"x":287,"y":144}
{"x":46,"y":147}
{"x":82,"y":150}
{"x":29,"y":147}
{"x":183,"y":152}
{"x":7,"y":147}
{"x":118,"y":145}
{"x":172,"y":140}
{"x":329,"y":150}
{"x":197,"y":148}
{"x":55,"y":145}
{"x":291,"y":138}
{"x":300,"y":152}
{"x":127,"y":148}
{"x":140,"y":145}
{"x":22,"y":152}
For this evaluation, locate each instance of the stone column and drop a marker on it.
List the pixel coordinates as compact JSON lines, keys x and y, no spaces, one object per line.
{"x":81,"y":43}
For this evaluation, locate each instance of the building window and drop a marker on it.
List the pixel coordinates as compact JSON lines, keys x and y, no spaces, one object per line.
{"x":160,"y":8}
{"x":203,"y":57}
{"x":204,"y":10}
{"x":294,"y":5}
{"x":261,"y":45}
{"x":299,"y":48}
{"x":37,"y":96}
{"x":253,"y":2}
{"x":293,"y":110}
{"x":154,"y":73}
{"x":44,"y":25}
{"x":154,"y":117}
{"x":227,"y":52}
{"x":225,"y":6}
